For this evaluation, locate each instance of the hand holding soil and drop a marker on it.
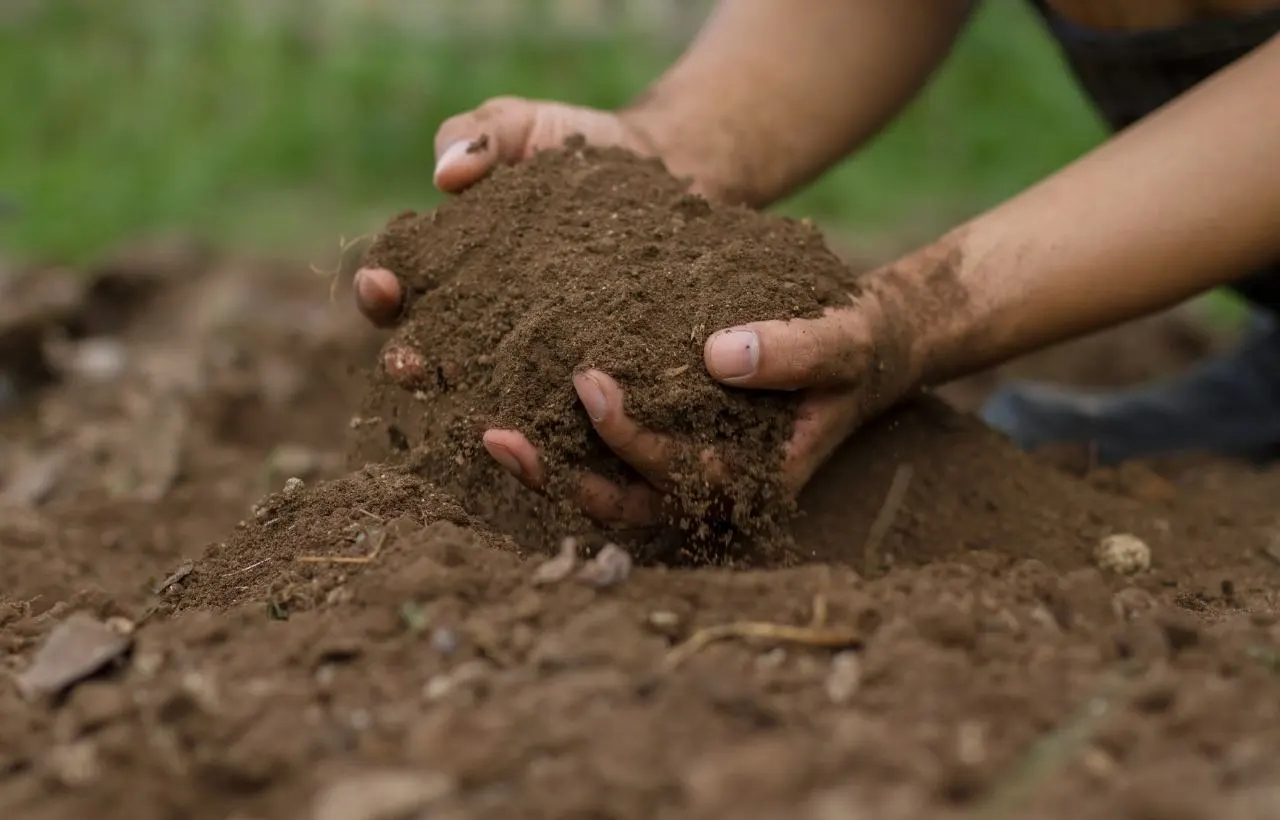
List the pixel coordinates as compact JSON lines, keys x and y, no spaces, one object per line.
{"x":502,"y":131}
{"x":828,"y":358}
{"x":630,"y":350}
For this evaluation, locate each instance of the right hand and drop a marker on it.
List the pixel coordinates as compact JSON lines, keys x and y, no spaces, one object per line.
{"x":468,"y":146}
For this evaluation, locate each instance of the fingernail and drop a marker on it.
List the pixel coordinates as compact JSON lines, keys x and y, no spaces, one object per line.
{"x":591,"y":395}
{"x":504,"y":457}
{"x":451,"y":155}
{"x":372,"y":286}
{"x":733,"y":354}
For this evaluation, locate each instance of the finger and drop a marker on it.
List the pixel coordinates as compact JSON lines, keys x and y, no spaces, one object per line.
{"x":632,"y":505}
{"x":822,"y":423}
{"x":517,"y":455}
{"x":788,"y":355}
{"x":602,"y":500}
{"x":378,"y":295}
{"x":469,"y":145}
{"x":652,"y":455}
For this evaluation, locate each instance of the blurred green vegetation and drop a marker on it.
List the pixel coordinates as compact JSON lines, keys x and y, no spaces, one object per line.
{"x":141,"y":116}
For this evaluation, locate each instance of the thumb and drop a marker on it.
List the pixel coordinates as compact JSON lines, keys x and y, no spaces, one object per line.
{"x":469,"y":145}
{"x":791,"y":355}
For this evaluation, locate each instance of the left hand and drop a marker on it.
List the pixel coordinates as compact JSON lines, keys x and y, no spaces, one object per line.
{"x":836,"y":360}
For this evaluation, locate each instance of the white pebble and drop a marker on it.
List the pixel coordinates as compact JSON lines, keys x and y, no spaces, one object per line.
{"x":1123,"y":554}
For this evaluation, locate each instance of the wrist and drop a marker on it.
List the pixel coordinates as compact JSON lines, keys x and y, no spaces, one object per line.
{"x":689,"y":147}
{"x":924,"y":315}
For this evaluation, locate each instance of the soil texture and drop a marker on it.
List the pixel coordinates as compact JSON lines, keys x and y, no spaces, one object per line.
{"x":594,"y":258}
{"x":205,"y":613}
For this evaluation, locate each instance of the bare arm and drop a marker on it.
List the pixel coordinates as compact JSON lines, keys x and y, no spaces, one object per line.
{"x":1184,"y":201}
{"x":773,"y":92}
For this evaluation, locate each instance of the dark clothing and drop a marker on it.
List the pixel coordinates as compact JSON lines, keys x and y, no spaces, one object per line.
{"x":1129,"y":74}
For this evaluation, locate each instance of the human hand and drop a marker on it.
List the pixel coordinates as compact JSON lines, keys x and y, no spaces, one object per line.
{"x":504,"y":130}
{"x":841,"y":362}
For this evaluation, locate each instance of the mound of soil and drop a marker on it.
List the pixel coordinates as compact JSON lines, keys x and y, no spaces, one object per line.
{"x":595,"y":258}
{"x":362,"y":647}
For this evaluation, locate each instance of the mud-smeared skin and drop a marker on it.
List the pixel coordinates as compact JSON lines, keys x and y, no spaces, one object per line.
{"x":259,"y":678}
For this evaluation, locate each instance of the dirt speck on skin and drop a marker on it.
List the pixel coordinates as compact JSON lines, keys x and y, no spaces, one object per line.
{"x":586,"y":258}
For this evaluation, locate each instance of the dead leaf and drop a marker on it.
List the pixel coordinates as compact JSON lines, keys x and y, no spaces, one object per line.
{"x":184,"y":569}
{"x":76,"y":649}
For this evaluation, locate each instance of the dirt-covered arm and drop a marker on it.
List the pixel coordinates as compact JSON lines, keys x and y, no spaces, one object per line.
{"x":1184,"y":201}
{"x":773,"y":92}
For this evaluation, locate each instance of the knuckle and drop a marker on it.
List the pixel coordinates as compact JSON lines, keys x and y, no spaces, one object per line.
{"x":499,"y":107}
{"x":805,"y":359}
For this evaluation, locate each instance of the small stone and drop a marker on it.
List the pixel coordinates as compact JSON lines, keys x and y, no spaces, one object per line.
{"x":557,"y":569}
{"x":444,"y":640}
{"x":664,"y":623}
{"x":1123,"y":554}
{"x":610,"y":567}
{"x":76,"y":649}
{"x":100,"y":359}
{"x":386,"y":795}
{"x":293,"y":487}
{"x":844,"y":678}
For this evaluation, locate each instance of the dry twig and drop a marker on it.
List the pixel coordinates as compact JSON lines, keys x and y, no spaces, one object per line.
{"x":884,"y":519}
{"x":347,"y":559}
{"x":823,"y":638}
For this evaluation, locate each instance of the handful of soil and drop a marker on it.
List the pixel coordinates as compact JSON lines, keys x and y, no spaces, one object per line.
{"x":593,"y":258}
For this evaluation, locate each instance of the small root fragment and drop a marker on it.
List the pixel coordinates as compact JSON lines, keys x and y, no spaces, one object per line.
{"x":884,"y":519}
{"x":819,"y":637}
{"x":378,"y":541}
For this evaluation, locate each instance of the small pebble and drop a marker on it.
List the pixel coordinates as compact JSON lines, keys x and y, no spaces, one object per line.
{"x":1123,"y":554}
{"x":610,"y":567}
{"x":444,"y":640}
{"x":293,"y":486}
{"x":557,"y":569}
{"x":844,"y":678}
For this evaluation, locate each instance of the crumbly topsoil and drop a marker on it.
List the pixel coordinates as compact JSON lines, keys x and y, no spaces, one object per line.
{"x":595,"y":258}
{"x":360,"y":647}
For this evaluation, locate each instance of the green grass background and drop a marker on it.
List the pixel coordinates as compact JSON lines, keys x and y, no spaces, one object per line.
{"x":141,"y":116}
{"x":277,"y":125}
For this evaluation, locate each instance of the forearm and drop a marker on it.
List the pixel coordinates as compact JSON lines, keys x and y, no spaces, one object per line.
{"x":1187,"y":200}
{"x":773,"y":92}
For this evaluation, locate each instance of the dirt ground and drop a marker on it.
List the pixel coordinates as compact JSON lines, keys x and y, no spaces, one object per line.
{"x":189,"y":632}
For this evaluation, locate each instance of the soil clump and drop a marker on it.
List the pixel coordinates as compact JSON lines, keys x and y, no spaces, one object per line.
{"x":595,"y":258}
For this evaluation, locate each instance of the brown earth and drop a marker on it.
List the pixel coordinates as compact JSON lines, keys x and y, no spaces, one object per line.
{"x":362,"y":644}
{"x":589,"y":258}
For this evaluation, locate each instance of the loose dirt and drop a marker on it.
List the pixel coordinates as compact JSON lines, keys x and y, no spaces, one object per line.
{"x":587,"y":258}
{"x":363,"y":642}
